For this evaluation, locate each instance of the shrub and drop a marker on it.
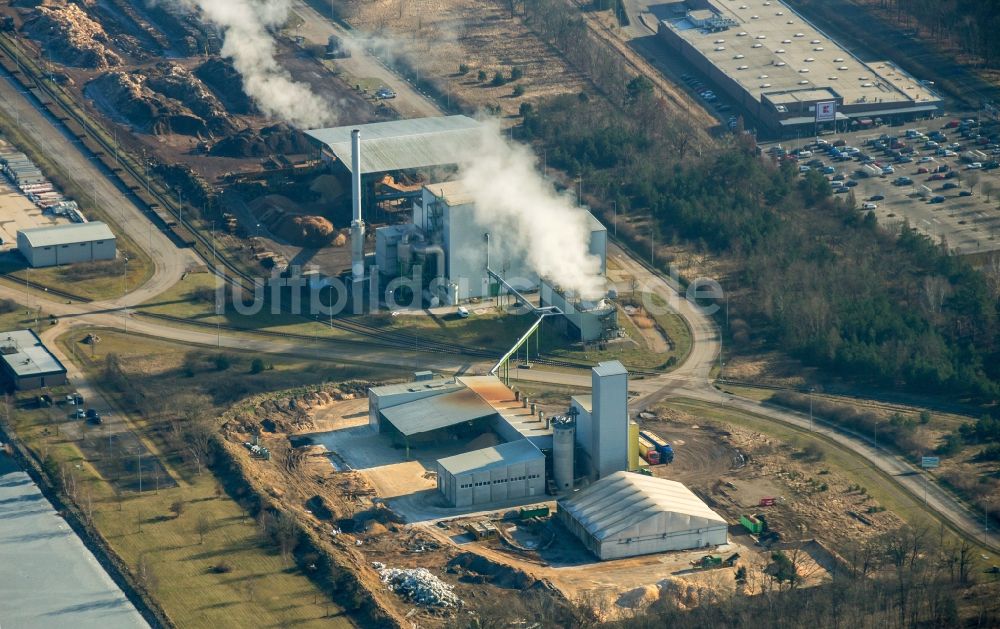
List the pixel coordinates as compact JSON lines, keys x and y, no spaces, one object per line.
{"x":925,"y":417}
{"x":222,"y":362}
{"x":8,"y":305}
{"x":498,"y":79}
{"x":525,"y":109}
{"x":222,"y":568}
{"x":516,"y":73}
{"x":257,"y":365}
{"x":518,"y":91}
{"x":177,"y":508}
{"x":481,"y":76}
{"x":463,"y":68}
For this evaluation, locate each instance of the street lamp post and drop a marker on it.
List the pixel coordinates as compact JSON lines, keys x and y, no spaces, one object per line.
{"x":811,"y":391}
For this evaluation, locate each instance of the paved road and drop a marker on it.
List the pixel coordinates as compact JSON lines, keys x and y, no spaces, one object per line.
{"x":123,"y":215}
{"x":48,"y":578}
{"x":361,"y":64}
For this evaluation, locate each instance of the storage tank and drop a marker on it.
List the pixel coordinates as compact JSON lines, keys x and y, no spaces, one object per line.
{"x":633,"y":445}
{"x":563,"y":443}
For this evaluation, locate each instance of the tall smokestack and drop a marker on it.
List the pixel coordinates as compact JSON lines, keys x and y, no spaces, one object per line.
{"x":357,"y":225}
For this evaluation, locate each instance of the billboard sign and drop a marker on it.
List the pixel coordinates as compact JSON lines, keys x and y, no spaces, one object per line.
{"x":929,"y":462}
{"x":826,"y":111}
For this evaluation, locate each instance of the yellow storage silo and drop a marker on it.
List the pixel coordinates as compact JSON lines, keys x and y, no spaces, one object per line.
{"x":633,"y":445}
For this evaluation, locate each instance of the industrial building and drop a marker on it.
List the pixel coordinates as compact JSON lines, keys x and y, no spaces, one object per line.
{"x":602,"y":424}
{"x":459,"y":259}
{"x":627,"y":514}
{"x":27,"y":363}
{"x":590,"y":441}
{"x":66,"y":244}
{"x":786,"y":73}
{"x":492,"y":475}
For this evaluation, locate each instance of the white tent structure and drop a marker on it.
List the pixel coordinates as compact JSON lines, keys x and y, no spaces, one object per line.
{"x":627,"y":514}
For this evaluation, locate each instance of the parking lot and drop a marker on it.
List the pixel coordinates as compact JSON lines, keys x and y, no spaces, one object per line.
{"x":17,"y":212}
{"x":942,"y":175}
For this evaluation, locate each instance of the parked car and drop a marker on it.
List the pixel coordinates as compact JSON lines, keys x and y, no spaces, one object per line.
{"x":965,"y":193}
{"x":93,"y":416}
{"x":385,"y":92}
{"x":850,"y":184}
{"x":974,"y":166}
{"x":868,"y":205}
{"x":839,"y":177}
{"x":951,"y":185}
{"x":79,"y":413}
{"x":876,"y":197}
{"x":938,"y":199}
{"x":902,"y":181}
{"x":936,"y":177}
{"x":922,"y":171}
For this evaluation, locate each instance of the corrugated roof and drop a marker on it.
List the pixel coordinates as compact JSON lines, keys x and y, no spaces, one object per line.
{"x":500,"y":397}
{"x":26,"y":355}
{"x":623,"y":500}
{"x":505,"y":454}
{"x":438,"y":411}
{"x":402,"y":144}
{"x":67,"y":234}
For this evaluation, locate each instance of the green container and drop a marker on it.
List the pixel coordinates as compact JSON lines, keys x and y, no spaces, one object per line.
{"x":752,"y":524}
{"x":536,"y":512}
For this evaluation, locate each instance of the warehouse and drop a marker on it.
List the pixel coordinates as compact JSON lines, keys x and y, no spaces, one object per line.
{"x":66,"y":244}
{"x":628,"y":514}
{"x":27,"y":363}
{"x":782,"y":70}
{"x":492,"y":475}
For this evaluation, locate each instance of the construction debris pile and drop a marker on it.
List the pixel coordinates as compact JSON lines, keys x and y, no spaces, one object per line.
{"x":418,"y":585}
{"x":71,"y":37}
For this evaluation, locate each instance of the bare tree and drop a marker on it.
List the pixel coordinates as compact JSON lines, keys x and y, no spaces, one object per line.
{"x":987,"y":188}
{"x":202,"y":527}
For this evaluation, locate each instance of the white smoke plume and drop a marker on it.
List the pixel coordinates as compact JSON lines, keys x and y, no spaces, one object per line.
{"x":247,"y":42}
{"x":527,"y":216}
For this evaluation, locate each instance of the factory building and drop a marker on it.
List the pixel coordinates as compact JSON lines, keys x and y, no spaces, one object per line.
{"x":66,"y":244}
{"x":27,"y":363}
{"x":492,"y":475}
{"x":602,"y":424}
{"x":590,"y":441}
{"x":628,"y":514}
{"x":787,"y":74}
{"x":449,"y":241}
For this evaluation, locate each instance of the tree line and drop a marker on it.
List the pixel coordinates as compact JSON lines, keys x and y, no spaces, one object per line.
{"x":817,"y":278}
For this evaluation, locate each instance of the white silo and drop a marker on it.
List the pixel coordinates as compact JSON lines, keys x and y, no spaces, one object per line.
{"x":563,"y":442}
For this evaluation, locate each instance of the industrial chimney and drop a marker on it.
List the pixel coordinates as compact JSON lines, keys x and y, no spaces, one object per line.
{"x":357,"y":225}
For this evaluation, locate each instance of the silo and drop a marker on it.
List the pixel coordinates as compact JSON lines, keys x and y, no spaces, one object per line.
{"x":633,"y":445}
{"x":563,"y":442}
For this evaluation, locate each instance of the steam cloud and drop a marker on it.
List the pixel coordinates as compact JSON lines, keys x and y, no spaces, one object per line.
{"x":527,"y":216}
{"x":245,"y":24}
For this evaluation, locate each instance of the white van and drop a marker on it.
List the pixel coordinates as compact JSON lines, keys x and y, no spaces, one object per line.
{"x":463,"y":312}
{"x":868,"y":205}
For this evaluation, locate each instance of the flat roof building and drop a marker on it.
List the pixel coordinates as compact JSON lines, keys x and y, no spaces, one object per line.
{"x":628,"y":514}
{"x":66,"y":244}
{"x":27,"y":363}
{"x":778,"y":66}
{"x":492,"y":475}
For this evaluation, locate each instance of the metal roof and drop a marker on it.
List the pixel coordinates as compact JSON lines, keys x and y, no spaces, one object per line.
{"x":454,"y":193}
{"x":623,"y":500}
{"x":442,"y":385}
{"x":586,"y":402}
{"x":67,"y":234}
{"x":610,"y":368}
{"x":520,"y":451}
{"x":26,"y":355}
{"x":500,"y":398}
{"x":402,"y":144}
{"x":438,"y":411}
